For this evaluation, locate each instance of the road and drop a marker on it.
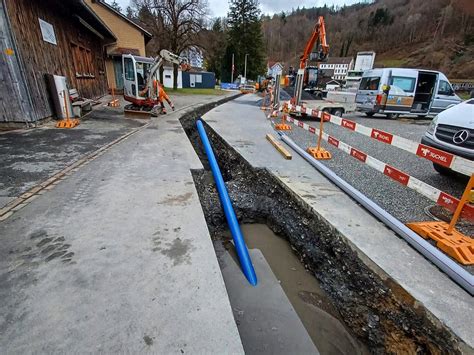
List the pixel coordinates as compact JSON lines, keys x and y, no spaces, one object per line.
{"x":404,"y":203}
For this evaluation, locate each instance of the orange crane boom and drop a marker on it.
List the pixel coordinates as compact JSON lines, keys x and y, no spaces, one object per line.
{"x":319,"y":33}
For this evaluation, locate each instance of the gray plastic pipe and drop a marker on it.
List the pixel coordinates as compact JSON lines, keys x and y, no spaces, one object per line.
{"x":462,"y":277}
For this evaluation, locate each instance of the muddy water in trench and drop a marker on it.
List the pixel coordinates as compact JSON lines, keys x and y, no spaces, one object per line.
{"x":313,"y":307}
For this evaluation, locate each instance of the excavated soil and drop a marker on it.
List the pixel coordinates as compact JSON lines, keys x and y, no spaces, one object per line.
{"x":378,"y":311}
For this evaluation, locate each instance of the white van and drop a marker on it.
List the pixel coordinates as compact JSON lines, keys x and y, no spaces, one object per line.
{"x":395,"y":91}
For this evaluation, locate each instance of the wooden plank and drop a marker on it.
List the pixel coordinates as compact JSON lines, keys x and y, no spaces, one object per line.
{"x":281,"y":149}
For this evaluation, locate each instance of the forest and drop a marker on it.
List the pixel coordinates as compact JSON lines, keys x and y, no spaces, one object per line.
{"x":434,"y":34}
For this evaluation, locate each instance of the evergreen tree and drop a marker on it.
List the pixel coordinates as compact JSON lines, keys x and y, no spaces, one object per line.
{"x":216,"y":47}
{"x":244,"y":37}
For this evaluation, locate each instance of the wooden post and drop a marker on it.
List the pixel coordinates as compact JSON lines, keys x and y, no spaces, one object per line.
{"x":66,"y":105}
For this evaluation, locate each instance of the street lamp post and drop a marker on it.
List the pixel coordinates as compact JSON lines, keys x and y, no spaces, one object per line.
{"x":245,"y":68}
{"x":232,"y":71}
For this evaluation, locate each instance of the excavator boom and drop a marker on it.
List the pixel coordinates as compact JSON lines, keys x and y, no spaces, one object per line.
{"x":319,"y":33}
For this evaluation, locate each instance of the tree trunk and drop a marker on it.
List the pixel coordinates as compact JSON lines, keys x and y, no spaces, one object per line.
{"x":175,"y":76}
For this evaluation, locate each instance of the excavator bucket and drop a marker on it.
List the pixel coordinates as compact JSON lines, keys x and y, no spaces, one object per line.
{"x":319,"y":153}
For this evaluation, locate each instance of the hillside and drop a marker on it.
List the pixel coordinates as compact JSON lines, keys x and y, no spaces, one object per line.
{"x":434,"y":34}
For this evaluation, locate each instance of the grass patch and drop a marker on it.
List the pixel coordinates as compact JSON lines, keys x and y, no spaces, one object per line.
{"x":197,"y":91}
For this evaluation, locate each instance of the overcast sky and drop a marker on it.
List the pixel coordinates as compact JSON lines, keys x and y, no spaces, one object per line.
{"x":219,"y":8}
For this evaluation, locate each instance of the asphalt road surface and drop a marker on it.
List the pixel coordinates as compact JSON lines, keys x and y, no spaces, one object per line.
{"x":404,"y":203}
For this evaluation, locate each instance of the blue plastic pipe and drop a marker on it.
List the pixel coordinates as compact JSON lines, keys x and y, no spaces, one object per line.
{"x":230,"y":216}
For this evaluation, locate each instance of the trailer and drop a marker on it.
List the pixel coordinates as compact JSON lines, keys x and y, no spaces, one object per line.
{"x":336,"y":103}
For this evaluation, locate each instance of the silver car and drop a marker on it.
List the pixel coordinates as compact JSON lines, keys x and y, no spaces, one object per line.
{"x":453,"y":131}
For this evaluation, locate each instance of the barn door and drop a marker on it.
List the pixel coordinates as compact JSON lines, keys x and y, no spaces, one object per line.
{"x":14,"y":102}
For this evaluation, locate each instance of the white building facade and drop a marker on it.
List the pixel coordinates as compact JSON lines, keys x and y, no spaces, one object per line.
{"x":340,"y":66}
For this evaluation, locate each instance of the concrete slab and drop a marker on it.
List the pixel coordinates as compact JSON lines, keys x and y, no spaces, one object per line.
{"x":373,"y":242}
{"x":105,"y":261}
{"x":267,"y":322}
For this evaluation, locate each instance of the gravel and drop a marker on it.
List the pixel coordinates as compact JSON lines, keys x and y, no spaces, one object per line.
{"x":404,"y":203}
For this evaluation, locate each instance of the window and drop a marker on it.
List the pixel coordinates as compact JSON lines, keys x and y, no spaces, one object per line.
{"x":128,"y":68}
{"x":405,"y":83}
{"x":370,"y":83}
{"x":444,"y":88}
{"x":83,"y":62}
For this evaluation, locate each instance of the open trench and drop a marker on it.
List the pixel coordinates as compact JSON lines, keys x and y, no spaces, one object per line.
{"x":377,"y":312}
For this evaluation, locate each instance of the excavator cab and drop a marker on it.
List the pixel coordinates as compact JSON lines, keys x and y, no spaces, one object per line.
{"x":136,"y":72}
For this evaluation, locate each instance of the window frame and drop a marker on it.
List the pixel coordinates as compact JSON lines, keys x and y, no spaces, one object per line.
{"x":412,"y":79}
{"x":369,"y":79}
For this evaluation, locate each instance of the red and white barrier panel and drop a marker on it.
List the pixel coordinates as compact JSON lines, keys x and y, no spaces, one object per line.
{"x":448,"y":160}
{"x":441,"y":198}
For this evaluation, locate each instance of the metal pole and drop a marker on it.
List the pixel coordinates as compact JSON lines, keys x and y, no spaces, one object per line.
{"x":245,"y":68}
{"x":462,"y":277}
{"x":232,"y":71}
{"x":240,"y":247}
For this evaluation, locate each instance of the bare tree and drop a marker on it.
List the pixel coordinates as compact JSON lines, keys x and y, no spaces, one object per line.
{"x":175,"y":23}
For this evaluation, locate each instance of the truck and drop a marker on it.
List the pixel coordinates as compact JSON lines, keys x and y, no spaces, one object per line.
{"x":364,"y":61}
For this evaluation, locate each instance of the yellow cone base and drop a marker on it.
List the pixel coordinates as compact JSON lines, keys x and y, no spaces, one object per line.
{"x":67,"y":123}
{"x":319,"y":154}
{"x":282,"y":127}
{"x":456,"y":244}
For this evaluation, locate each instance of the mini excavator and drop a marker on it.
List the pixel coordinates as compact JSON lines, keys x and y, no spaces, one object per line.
{"x":139,"y":75}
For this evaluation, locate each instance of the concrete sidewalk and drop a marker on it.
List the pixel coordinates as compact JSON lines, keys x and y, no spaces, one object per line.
{"x":381,"y":250}
{"x":117,"y":258}
{"x":31,"y":156}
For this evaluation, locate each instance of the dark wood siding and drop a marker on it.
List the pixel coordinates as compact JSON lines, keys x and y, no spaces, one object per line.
{"x":40,"y":57}
{"x":14,"y":104}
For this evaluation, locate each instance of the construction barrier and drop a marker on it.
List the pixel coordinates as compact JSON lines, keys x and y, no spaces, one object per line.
{"x":447,"y":238}
{"x":439,"y":197}
{"x":448,"y":160}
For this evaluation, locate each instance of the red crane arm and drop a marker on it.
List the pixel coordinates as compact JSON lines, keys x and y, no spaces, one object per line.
{"x":319,"y":32}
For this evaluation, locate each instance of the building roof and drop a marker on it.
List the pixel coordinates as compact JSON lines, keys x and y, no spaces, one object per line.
{"x":89,"y":19}
{"x":147,"y":34}
{"x":122,"y":50}
{"x":272,"y":63}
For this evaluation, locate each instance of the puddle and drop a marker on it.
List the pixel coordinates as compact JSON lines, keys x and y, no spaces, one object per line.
{"x":318,"y":315}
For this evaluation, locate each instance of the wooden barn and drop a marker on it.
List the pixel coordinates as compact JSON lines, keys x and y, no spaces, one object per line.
{"x":60,"y":37}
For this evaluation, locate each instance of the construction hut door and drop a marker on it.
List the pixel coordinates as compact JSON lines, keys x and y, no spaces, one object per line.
{"x":192,"y":80}
{"x":118,"y":73}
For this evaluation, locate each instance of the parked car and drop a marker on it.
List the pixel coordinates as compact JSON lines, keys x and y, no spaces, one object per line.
{"x":452,"y":131}
{"x":395,"y":91}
